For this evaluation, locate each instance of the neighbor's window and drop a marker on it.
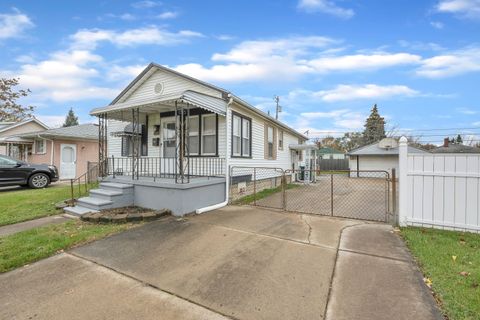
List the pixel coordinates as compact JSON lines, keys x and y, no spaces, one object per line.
{"x":280,"y":140}
{"x":241,"y":136}
{"x":209,"y":134}
{"x":193,"y":136}
{"x":39,"y":146}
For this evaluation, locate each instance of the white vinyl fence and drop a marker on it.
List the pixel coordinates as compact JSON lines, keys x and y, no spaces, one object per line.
{"x":439,"y":190}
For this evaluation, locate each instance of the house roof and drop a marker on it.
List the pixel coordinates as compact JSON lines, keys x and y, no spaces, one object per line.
{"x":456,"y":148}
{"x":83,"y":131}
{"x":374,"y":150}
{"x":225,"y":93}
{"x":5,"y":126}
{"x":328,"y":150}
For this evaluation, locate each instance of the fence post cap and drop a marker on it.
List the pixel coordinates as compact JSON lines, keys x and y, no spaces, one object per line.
{"x":403,"y":140}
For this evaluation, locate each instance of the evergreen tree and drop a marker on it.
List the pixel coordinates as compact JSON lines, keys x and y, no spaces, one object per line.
{"x":71,"y":119}
{"x":459,"y":139}
{"x":374,"y":127}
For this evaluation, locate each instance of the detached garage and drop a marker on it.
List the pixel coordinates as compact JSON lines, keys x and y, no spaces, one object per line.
{"x":382,"y":155}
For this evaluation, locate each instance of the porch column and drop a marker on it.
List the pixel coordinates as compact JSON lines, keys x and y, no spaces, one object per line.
{"x":135,"y":143}
{"x":102,"y":145}
{"x":181,"y":136}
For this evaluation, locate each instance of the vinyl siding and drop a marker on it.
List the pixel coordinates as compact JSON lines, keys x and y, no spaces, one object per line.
{"x":383,"y":163}
{"x":283,"y":157}
{"x":25,"y":128}
{"x":172,"y":84}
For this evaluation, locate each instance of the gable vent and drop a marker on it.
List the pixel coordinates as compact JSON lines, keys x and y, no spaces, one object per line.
{"x":159,"y":88}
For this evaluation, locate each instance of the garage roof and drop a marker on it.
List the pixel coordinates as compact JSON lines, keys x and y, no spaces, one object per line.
{"x":374,"y":150}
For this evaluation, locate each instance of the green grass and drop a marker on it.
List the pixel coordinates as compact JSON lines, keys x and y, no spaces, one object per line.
{"x":27,"y":204}
{"x":262,"y":194}
{"x":29,"y":246}
{"x":459,"y":295}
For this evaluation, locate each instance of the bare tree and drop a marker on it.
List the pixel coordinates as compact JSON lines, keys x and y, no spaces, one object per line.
{"x":10,"y":110}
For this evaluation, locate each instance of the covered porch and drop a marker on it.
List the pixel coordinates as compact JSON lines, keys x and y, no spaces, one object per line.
{"x":176,"y":138}
{"x":17,"y":147}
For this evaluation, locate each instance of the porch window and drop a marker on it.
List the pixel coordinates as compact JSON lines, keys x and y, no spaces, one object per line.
{"x":127,"y":142}
{"x":241,"y":136}
{"x":193,"y":136}
{"x":40,"y":146}
{"x":209,"y":134}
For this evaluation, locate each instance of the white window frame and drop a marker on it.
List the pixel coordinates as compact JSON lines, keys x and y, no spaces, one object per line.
{"x":195,"y":134}
{"x":43,"y":144}
{"x":272,"y":138}
{"x":204,"y":134}
{"x":242,"y":135}
{"x":280,"y":139}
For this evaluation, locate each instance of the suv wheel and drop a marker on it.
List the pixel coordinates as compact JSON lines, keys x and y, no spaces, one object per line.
{"x":38,"y":180}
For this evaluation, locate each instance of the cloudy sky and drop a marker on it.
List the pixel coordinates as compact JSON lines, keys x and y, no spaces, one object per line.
{"x":328,"y":60}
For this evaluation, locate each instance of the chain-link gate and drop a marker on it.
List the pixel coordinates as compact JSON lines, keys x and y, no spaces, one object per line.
{"x":365,"y":195}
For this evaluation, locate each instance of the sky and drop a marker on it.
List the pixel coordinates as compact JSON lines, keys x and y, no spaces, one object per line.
{"x":329,"y":61}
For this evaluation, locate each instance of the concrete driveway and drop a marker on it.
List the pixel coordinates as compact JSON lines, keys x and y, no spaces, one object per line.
{"x":233,"y":263}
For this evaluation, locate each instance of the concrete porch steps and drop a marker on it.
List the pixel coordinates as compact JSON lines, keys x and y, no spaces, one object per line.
{"x":109,"y":195}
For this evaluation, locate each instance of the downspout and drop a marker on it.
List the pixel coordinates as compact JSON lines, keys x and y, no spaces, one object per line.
{"x":227,"y":168}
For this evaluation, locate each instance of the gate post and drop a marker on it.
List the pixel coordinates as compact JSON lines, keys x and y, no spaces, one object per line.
{"x":394,"y":197}
{"x":254,"y":186}
{"x":402,"y":181}
{"x":331,"y":194}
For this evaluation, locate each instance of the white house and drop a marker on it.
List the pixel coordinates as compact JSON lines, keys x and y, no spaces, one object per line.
{"x":171,"y":140}
{"x":379,"y":156}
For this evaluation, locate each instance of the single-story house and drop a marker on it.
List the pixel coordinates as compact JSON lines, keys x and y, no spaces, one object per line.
{"x":449,"y":147}
{"x":14,"y":146}
{"x":379,"y":156}
{"x":330,"y":153}
{"x":70,"y":149}
{"x":170,"y":141}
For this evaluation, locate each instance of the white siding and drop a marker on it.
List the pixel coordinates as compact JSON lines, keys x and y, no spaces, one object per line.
{"x":283,"y":160}
{"x":172,"y":84}
{"x":114,"y":144}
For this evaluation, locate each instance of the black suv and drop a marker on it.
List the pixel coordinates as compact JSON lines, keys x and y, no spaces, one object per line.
{"x":15,"y":172}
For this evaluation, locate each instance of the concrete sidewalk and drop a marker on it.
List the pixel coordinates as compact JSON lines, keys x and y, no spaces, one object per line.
{"x":233,"y":263}
{"x":30,"y":224}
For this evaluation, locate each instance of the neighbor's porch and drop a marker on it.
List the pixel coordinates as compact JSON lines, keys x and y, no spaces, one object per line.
{"x":176,"y":139}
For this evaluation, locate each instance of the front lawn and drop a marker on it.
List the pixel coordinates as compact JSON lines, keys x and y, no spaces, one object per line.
{"x":29,"y":246}
{"x":451,"y":260}
{"x":27,"y":204}
{"x":262,"y":194}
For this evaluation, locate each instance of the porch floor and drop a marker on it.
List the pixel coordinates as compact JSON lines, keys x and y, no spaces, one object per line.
{"x":162,"y":181}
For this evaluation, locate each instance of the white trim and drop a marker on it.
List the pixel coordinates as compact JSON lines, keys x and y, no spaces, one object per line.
{"x":25,"y":122}
{"x":202,"y":134}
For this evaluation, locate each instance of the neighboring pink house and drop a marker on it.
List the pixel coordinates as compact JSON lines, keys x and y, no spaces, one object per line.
{"x":70,"y":149}
{"x":14,"y":146}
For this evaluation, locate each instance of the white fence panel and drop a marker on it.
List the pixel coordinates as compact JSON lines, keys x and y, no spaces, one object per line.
{"x":440,"y":190}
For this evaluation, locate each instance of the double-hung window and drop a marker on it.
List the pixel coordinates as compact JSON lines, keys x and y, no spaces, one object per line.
{"x":194,"y":136}
{"x":209,"y":134}
{"x":40,"y":146}
{"x":241,"y":136}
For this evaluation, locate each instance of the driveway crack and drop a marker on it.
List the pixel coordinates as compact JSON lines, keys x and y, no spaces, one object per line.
{"x":309,"y":227}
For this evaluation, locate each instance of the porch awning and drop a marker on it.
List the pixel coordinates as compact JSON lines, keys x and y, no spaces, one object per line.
{"x":303,"y":147}
{"x":189,"y":97}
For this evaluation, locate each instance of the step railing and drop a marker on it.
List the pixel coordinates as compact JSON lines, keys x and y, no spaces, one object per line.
{"x":81,"y":185}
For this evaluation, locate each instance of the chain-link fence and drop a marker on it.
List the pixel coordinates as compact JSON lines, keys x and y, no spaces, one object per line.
{"x":363,"y":195}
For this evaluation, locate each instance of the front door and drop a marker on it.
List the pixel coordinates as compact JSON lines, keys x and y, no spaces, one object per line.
{"x":68,"y":161}
{"x":168,"y":138}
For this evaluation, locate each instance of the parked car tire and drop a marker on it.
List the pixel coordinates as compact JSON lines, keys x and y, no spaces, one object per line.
{"x":38,"y":181}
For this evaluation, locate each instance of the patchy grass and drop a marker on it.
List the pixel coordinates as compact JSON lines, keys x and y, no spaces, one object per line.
{"x":262,"y":194}
{"x":27,"y":204}
{"x":29,"y":246}
{"x":451,"y":260}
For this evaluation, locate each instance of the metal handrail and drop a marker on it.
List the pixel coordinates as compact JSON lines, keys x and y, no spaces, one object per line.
{"x":83,"y":183}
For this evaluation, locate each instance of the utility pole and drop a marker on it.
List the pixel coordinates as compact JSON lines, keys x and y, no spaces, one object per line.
{"x":278,"y":107}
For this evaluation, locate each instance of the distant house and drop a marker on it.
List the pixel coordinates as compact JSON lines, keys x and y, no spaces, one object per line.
{"x":68,"y":148}
{"x":330,"y":153}
{"x":14,"y":146}
{"x":381,"y":156}
{"x":448,"y":147}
